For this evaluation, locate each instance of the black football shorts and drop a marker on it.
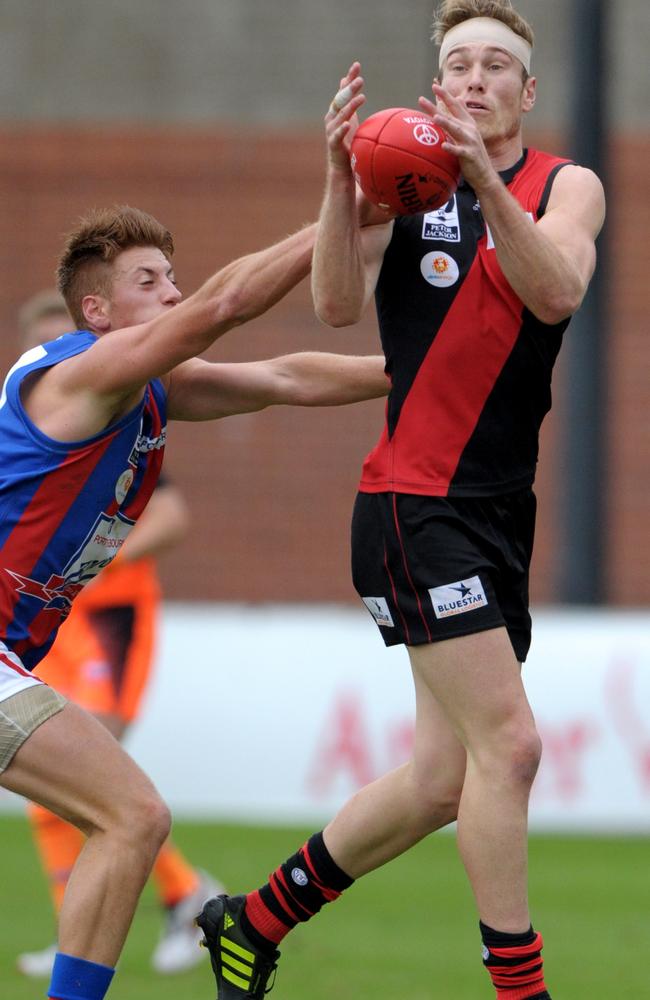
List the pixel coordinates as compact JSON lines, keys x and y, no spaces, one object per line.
{"x":432,"y":568}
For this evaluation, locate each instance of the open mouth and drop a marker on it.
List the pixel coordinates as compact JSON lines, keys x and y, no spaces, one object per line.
{"x":475,"y":106}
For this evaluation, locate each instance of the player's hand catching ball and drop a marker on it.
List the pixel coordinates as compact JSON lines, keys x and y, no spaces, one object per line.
{"x":464,"y":139}
{"x":341,"y":120}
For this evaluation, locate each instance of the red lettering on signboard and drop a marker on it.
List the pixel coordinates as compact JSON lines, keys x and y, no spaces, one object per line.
{"x":344,"y":748}
{"x":561,"y":771}
{"x":632,"y":725}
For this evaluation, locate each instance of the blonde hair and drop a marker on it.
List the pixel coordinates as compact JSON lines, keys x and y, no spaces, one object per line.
{"x":453,"y":12}
{"x":84,"y":267}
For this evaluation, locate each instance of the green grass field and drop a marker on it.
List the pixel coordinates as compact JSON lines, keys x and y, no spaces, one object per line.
{"x":407,"y":932}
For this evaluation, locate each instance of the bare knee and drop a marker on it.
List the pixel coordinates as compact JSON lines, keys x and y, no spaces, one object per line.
{"x":150,"y":820}
{"x":136,"y":817}
{"x":518,"y":753}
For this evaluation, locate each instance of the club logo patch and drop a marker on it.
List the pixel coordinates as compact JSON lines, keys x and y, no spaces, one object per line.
{"x":378,"y":608}
{"x":458,"y":598}
{"x":299,"y":877}
{"x":439,"y":269}
{"x":443,"y":224}
{"x":123,"y":485}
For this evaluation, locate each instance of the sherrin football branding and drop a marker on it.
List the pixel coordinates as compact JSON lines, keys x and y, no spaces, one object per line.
{"x":458,"y":598}
{"x":426,"y":134}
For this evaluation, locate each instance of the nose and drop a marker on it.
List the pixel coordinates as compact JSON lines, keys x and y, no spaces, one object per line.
{"x":171,"y":294}
{"x":476,"y":79}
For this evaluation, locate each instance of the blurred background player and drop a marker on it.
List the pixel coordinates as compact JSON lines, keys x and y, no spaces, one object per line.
{"x":102,"y":660}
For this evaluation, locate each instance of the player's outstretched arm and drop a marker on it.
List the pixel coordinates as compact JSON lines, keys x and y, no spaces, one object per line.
{"x":347,"y":258}
{"x":199,"y":390}
{"x":86,"y":392}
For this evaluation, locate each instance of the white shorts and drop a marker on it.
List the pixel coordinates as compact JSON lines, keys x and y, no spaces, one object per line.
{"x":13,"y":675}
{"x":25,"y":704}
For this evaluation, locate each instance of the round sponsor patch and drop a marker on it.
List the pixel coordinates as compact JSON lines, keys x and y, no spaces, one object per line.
{"x":123,"y":485}
{"x":299,"y":877}
{"x":439,"y":269}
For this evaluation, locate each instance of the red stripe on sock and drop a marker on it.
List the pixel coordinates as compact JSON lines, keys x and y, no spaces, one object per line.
{"x":515,"y":973}
{"x":526,"y":949}
{"x":329,"y":894}
{"x":522,"y":992}
{"x":278,"y":876}
{"x":264,"y":922}
{"x":512,"y":982}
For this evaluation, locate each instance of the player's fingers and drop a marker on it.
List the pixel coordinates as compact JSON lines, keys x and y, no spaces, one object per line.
{"x":347,"y":111}
{"x":339,"y":133}
{"x":345,"y":94}
{"x":427,"y":105}
{"x":351,"y":74}
{"x":341,"y":98}
{"x":452,"y":126}
{"x":450,"y":103}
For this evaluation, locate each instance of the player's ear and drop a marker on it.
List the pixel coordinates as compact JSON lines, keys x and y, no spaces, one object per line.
{"x":95,"y":314}
{"x":529,"y":94}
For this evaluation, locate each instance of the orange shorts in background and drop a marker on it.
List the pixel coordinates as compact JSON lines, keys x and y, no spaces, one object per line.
{"x":103,"y":654}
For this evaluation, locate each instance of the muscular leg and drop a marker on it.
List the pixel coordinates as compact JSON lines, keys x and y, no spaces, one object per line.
{"x":73,"y":767}
{"x":388,"y":816}
{"x":477,"y":682}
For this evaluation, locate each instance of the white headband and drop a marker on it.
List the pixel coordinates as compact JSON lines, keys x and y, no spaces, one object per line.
{"x":486,"y":29}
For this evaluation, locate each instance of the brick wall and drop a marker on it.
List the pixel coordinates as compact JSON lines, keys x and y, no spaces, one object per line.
{"x":271,"y":492}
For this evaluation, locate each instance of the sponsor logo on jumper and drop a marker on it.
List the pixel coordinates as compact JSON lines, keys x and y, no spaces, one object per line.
{"x":426,"y":134}
{"x":458,"y":598}
{"x":439,"y":269}
{"x":123,"y":485}
{"x":378,"y":608}
{"x":144,"y":443}
{"x":56,"y":594}
{"x":99,"y":548}
{"x":299,"y":877}
{"x":442,"y":224}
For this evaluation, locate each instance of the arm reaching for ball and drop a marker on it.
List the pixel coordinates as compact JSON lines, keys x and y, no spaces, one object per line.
{"x":347,"y":258}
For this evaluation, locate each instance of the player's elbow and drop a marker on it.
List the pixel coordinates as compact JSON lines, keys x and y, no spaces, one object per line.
{"x":559,"y":300}
{"x":337,"y":312}
{"x":556,"y":308}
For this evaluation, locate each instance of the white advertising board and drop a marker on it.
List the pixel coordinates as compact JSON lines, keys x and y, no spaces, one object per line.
{"x":279,"y":713}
